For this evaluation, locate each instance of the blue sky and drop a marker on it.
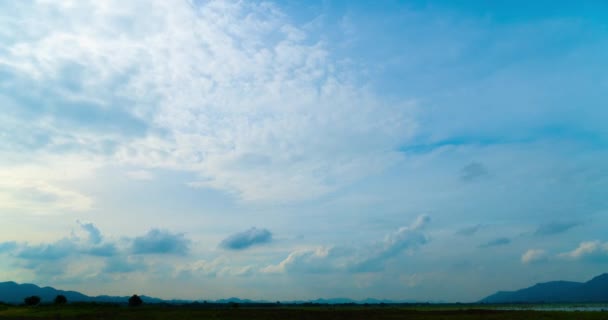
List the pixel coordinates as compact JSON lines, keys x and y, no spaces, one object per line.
{"x":296,"y":150}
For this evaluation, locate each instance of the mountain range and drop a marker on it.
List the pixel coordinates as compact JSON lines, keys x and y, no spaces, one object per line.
{"x":14,"y":293}
{"x":11,"y":292}
{"x":594,"y":290}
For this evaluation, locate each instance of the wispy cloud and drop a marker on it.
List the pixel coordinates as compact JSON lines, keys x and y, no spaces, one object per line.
{"x":468,"y":231}
{"x":187,"y":96}
{"x":140,"y":175}
{"x":554,"y":228}
{"x":473,"y":171}
{"x":406,"y":238}
{"x":496,"y":242}
{"x":589,"y":250}
{"x":348,"y":259}
{"x":534,"y":256}
{"x":219,"y":267}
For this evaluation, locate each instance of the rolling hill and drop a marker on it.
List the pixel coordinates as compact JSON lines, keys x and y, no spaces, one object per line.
{"x":11,"y":292}
{"x":594,"y":290}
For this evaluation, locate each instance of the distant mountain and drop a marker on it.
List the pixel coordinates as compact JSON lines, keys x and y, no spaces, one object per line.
{"x":11,"y":292}
{"x":594,"y":290}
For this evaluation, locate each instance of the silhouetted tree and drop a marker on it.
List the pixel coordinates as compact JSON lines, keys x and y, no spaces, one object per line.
{"x":135,"y":301}
{"x":60,"y":299}
{"x":32,"y":301}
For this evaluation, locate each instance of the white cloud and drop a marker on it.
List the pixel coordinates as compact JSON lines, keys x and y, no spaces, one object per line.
{"x":37,"y":195}
{"x":348,"y":259}
{"x":322,"y":259}
{"x":592,"y":250}
{"x":533,"y":256}
{"x":218,"y":267}
{"x":233,"y":92}
{"x":140,"y":175}
{"x":43,"y":184}
{"x":406,"y":238}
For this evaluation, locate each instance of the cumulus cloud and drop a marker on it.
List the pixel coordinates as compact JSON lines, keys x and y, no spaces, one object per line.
{"x":103,"y":250}
{"x":533,"y":256}
{"x":161,"y":242}
{"x":496,"y":242}
{"x":65,"y":257}
{"x":554,"y":228}
{"x":66,"y":247}
{"x":51,"y":251}
{"x":589,"y":250}
{"x":347,"y":259}
{"x":473,"y":171}
{"x":246,"y":239}
{"x":94,"y":234}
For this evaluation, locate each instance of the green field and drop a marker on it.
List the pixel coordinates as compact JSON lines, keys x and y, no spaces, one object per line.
{"x":106,"y":311}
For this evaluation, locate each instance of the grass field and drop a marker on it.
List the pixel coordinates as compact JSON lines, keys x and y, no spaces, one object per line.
{"x":103,"y":311}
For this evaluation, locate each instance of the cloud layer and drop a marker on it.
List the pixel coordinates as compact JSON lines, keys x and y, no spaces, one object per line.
{"x":226,"y":91}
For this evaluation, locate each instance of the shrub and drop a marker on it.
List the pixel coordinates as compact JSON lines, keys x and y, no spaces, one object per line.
{"x":32,"y":301}
{"x":60,"y":299}
{"x":135,"y":301}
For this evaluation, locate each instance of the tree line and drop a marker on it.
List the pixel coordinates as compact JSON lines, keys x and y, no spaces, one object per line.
{"x":60,"y":299}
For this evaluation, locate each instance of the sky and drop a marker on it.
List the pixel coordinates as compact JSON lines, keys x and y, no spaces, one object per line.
{"x":406,"y":150}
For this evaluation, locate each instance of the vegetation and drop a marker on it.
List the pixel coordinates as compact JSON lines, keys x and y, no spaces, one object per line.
{"x":60,"y":299}
{"x":135,"y":301}
{"x":86,"y":311}
{"x":32,"y":301}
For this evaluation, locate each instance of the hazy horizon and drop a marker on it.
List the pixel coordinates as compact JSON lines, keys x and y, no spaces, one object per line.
{"x":294,"y":150}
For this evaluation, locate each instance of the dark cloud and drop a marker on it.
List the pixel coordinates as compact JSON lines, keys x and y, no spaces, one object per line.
{"x":104,"y":250}
{"x":67,"y":247}
{"x":161,"y":242}
{"x":246,"y":239}
{"x":52,"y":259}
{"x":473,"y":171}
{"x":554,"y":228}
{"x":468,"y":231}
{"x":52,"y":251}
{"x":95,"y":236}
{"x":496,"y":242}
